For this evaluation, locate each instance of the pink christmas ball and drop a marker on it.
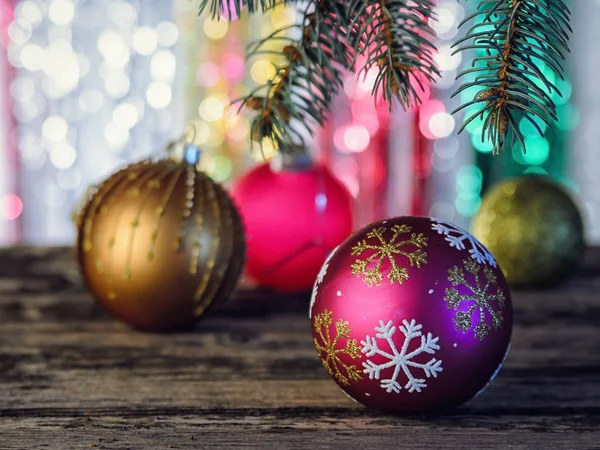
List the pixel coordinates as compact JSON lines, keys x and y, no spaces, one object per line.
{"x":411,"y":315}
{"x":293,"y":219}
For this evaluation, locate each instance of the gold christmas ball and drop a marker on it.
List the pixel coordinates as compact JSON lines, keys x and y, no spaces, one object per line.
{"x":533,"y":228}
{"x":159,"y":244}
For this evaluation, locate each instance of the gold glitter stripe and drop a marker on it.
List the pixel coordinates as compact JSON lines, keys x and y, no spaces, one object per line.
{"x":199,"y":224}
{"x":111,"y":243}
{"x":190,"y":184}
{"x":214,"y":251}
{"x":160,"y":211}
{"x":104,"y":190}
{"x":228,"y":226}
{"x":151,"y":184}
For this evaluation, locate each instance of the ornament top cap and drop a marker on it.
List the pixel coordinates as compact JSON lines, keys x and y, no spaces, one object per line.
{"x":297,"y":162}
{"x":184,"y":150}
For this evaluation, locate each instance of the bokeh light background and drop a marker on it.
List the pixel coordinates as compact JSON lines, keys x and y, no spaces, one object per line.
{"x":88,"y":86}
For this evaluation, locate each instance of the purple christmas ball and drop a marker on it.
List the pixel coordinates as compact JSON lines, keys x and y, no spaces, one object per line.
{"x":411,"y":315}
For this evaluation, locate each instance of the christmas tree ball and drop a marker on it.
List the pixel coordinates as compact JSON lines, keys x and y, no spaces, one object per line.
{"x":159,"y":244}
{"x":293,"y":218}
{"x":533,"y":228}
{"x":411,"y":315}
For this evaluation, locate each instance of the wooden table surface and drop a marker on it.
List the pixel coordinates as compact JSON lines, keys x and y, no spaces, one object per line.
{"x":249,"y":377}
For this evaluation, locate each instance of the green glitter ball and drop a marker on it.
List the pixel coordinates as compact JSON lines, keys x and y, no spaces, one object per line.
{"x":533,"y":228}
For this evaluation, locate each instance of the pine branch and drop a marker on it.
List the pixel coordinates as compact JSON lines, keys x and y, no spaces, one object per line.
{"x":395,"y":36}
{"x":518,"y":38}
{"x":218,"y":9}
{"x":301,"y":93}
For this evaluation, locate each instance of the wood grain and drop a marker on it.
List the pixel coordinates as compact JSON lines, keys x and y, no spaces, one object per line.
{"x":248,"y":376}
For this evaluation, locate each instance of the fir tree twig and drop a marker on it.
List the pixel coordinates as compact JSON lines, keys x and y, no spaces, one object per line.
{"x":518,"y":38}
{"x":288,"y":106}
{"x":395,"y":36}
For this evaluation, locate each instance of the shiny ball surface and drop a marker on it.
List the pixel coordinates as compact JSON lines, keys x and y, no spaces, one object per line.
{"x":411,"y":315}
{"x":292,"y":219}
{"x":533,"y":228}
{"x":159,"y":244}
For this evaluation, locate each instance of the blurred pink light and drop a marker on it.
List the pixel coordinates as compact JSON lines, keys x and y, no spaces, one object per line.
{"x":351,"y":184}
{"x":208,"y":74}
{"x":422,"y":86}
{"x":338,"y":139}
{"x":365,"y":113}
{"x":427,"y":110}
{"x":11,"y":207}
{"x":356,"y":138}
{"x":346,"y":167}
{"x":234,"y":68}
{"x":365,"y":82}
{"x":6,"y":17}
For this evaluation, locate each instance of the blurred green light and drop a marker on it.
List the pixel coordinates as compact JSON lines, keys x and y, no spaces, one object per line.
{"x":469,"y":180}
{"x":568,"y":117}
{"x":219,"y":168}
{"x":538,"y":151}
{"x":476,"y":125}
{"x":535,"y":170}
{"x":517,"y":154}
{"x":484,"y":28}
{"x":467,"y":206}
{"x":468,"y":95}
{"x":548,"y":73}
{"x":529,"y":130}
{"x":565,"y":89}
{"x":482,"y":147}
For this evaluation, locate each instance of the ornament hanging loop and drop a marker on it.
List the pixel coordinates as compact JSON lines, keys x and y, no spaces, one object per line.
{"x":190,"y":130}
{"x":299,"y":160}
{"x":184,"y":149}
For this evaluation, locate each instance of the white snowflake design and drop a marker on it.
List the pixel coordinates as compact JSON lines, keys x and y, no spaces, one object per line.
{"x":402,"y":359}
{"x":459,"y":238}
{"x":319,"y":280}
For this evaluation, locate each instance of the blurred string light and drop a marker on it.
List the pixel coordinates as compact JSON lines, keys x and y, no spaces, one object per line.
{"x":93,"y":90}
{"x":453,"y":194}
{"x":11,"y":205}
{"x":372,"y":152}
{"x":355,"y":144}
{"x":217,"y":75}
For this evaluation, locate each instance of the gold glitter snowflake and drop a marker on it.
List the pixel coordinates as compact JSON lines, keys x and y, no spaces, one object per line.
{"x":330,"y":354}
{"x":478,"y":294}
{"x":382,"y":250}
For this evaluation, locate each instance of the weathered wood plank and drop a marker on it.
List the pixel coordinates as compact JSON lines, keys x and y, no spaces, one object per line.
{"x":271,"y":432}
{"x":248,"y":376}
